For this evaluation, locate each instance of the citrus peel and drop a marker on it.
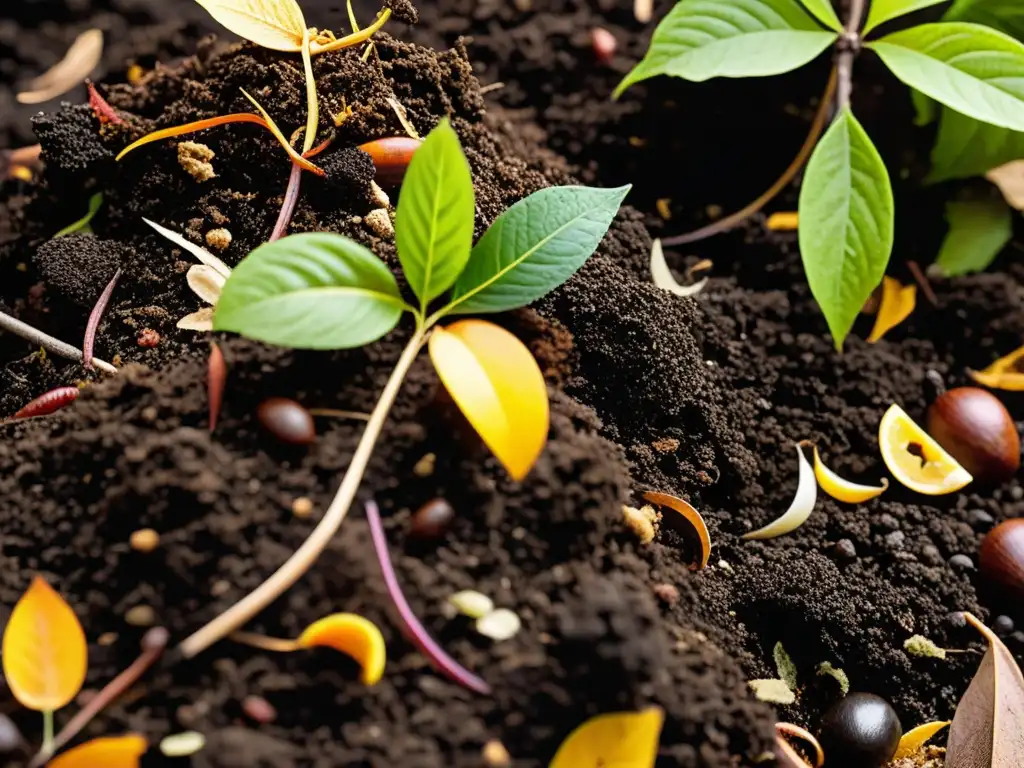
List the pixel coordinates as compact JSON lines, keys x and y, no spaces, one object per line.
{"x":844,"y":490}
{"x":915,"y":738}
{"x":352,"y":635}
{"x":799,"y":509}
{"x":915,"y":459}
{"x":690,"y":515}
{"x":1004,"y":373}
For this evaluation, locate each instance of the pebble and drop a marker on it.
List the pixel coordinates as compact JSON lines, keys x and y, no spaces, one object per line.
{"x":259,"y":709}
{"x":182,"y":744}
{"x":148,"y":338}
{"x":218,"y":239}
{"x":1002,"y":625}
{"x":845,"y":550}
{"x":667,"y":593}
{"x":425,"y":466}
{"x":930,"y":555}
{"x":144,"y":540}
{"x":499,"y":625}
{"x":895,"y":540}
{"x":979,"y":518}
{"x":141,"y":616}
{"x":302,"y":507}
{"x":962,"y":562}
{"x":495,"y":755}
{"x":432,"y":520}
{"x":107,"y":639}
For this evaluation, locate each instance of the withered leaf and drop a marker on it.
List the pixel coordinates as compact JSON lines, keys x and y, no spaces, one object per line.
{"x":988,"y":727}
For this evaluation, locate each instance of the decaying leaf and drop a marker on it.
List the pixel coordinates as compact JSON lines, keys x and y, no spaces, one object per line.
{"x":919,"y":645}
{"x":352,"y":635}
{"x":110,"y":752}
{"x":619,"y":739}
{"x":1010,"y":180}
{"x":44,"y":651}
{"x":787,"y":753}
{"x":690,"y":515}
{"x":1005,"y":373}
{"x":915,"y":738}
{"x":826,"y":668}
{"x":78,"y":63}
{"x":785,"y":666}
{"x":772,"y":691}
{"x":988,"y":728}
{"x":275,"y":24}
{"x":800,"y":508}
{"x":662,"y":276}
{"x":897,"y":303}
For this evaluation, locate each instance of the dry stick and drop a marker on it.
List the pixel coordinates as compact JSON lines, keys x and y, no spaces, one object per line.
{"x":735,"y":219}
{"x":300,"y":562}
{"x":58,"y":347}
{"x":923,"y":282}
{"x":153,"y":644}
{"x":94,"y":319}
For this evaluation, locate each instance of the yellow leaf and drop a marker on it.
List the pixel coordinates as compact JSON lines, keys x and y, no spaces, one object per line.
{"x":915,"y":738}
{"x":352,"y":635}
{"x":1004,"y":373}
{"x":275,"y":24}
{"x":619,"y":739}
{"x":497,"y":384}
{"x":844,"y":490}
{"x":897,"y":304}
{"x":111,"y":752}
{"x":44,"y":650}
{"x":784,"y":221}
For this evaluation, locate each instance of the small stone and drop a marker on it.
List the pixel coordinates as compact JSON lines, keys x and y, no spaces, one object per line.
{"x":979,"y":518}
{"x":141,"y":616}
{"x":195,"y":159}
{"x":956,"y":620}
{"x":182,"y":744}
{"x":499,"y":625}
{"x":895,"y":540}
{"x":425,"y":466}
{"x":380,"y":195}
{"x":218,"y":239}
{"x":667,"y":593}
{"x":107,"y":639}
{"x":961,"y":563}
{"x":471,"y":603}
{"x":259,"y":709}
{"x":302,"y":507}
{"x":845,"y":550}
{"x":495,"y":755}
{"x":379,"y":220}
{"x":930,"y":555}
{"x":148,"y":338}
{"x":220,"y":587}
{"x":1002,"y":625}
{"x":432,"y":520}
{"x":888,"y":522}
{"x":144,"y":540}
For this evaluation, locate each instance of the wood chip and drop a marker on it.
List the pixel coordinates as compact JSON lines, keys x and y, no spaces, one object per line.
{"x":78,"y":63}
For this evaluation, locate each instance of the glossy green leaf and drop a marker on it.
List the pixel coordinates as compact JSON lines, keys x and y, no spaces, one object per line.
{"x":846,"y":222}
{"x":310,"y":291}
{"x":534,"y":247}
{"x":925,"y":108}
{"x":825,"y":13}
{"x":966,"y":147}
{"x":978,"y":231}
{"x":1005,"y":15}
{"x":970,"y":68}
{"x":82,"y":225}
{"x":701,"y":39}
{"x":886,"y":10}
{"x":434,"y":223}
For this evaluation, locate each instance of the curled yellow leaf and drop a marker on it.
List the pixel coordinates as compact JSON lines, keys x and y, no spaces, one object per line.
{"x":691,"y":515}
{"x":915,"y":738}
{"x":789,"y":729}
{"x":844,"y":490}
{"x":799,"y":509}
{"x":44,"y":650}
{"x":275,"y":24}
{"x":1004,"y":373}
{"x":352,"y":635}
{"x":897,"y":303}
{"x":110,"y":752}
{"x":619,"y":739}
{"x":498,"y":386}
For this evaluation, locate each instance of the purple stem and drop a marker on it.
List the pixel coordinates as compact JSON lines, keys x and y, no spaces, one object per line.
{"x":413,"y":629}
{"x":94,"y":320}
{"x":291,"y":197}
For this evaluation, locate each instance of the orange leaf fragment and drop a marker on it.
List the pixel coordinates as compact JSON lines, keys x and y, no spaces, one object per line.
{"x":109,"y":752}
{"x":691,"y":515}
{"x":1004,"y":373}
{"x":898,"y":302}
{"x":784,"y":221}
{"x":352,"y":635}
{"x":914,"y":739}
{"x":619,"y":739}
{"x":44,"y":650}
{"x":498,"y":386}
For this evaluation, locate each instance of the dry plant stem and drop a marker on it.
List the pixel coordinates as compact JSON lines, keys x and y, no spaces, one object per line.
{"x":923,"y":283}
{"x":313,"y":105}
{"x":49,"y":343}
{"x":850,"y":45}
{"x":276,"y":644}
{"x":334,"y":412}
{"x":300,"y":562}
{"x":291,"y":199}
{"x":735,"y":219}
{"x":354,"y":39}
{"x":94,"y":319}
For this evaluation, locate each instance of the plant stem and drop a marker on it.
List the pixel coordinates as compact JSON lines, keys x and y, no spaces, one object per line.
{"x":849,"y":49}
{"x":48,"y":731}
{"x":47,"y":342}
{"x":355,"y":38}
{"x":94,"y":319}
{"x":300,"y":562}
{"x":312,"y":104}
{"x":291,"y":198}
{"x":735,"y":219}
{"x":264,"y":643}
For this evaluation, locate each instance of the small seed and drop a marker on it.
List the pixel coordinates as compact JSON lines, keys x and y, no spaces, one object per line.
{"x":218,"y":239}
{"x":432,"y":520}
{"x":472,"y":604}
{"x":499,"y":625}
{"x":107,"y":638}
{"x":148,"y":338}
{"x":391,"y":157}
{"x":425,"y":466}
{"x":182,"y":744}
{"x":302,"y":507}
{"x":286,"y":420}
{"x":145,"y":540}
{"x":220,"y":587}
{"x":603,"y":43}
{"x":259,"y":709}
{"x":141,"y":616}
{"x":495,"y":755}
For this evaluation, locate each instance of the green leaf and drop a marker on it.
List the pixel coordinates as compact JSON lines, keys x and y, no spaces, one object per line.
{"x":887,"y":10}
{"x":82,"y":225}
{"x":978,"y":231}
{"x":701,"y":39}
{"x":534,"y":247}
{"x":825,"y":13}
{"x":1005,"y":15}
{"x":434,"y":222}
{"x":925,"y":108}
{"x":970,"y":68}
{"x":826,"y":668}
{"x":310,"y":291}
{"x":846,"y":222}
{"x":965,"y":147}
{"x":785,"y":666}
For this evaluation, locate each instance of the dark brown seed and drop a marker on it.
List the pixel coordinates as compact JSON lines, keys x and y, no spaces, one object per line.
{"x":286,"y":420}
{"x":1001,"y":558}
{"x":259,"y":709}
{"x":432,"y":520}
{"x":977,"y":430}
{"x":391,"y":157}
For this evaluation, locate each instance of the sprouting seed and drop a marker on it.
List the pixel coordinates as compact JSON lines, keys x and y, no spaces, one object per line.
{"x":473,"y":604}
{"x":48,"y":402}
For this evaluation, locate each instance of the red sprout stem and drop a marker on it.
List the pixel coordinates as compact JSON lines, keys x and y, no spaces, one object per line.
{"x":414,"y":630}
{"x":291,"y":198}
{"x":94,"y":320}
{"x":48,"y":402}
{"x":103,"y":111}
{"x":217,"y":372}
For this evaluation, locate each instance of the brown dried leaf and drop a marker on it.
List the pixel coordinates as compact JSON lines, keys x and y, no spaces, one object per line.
{"x":988,"y":727}
{"x":78,"y":63}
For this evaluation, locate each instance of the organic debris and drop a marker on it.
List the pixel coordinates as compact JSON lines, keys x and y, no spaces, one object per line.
{"x":844,"y":490}
{"x":897,"y":303}
{"x":613,"y":739}
{"x":913,"y":741}
{"x":826,"y":668}
{"x":101,"y":108}
{"x":94,"y":320}
{"x":785,"y":666}
{"x":919,"y":645}
{"x":195,"y":159}
{"x":1005,"y":373}
{"x":78,"y":63}
{"x":799,"y":509}
{"x":662,"y":276}
{"x":789,"y":729}
{"x":690,"y":515}
{"x":82,"y":225}
{"x":471,"y":603}
{"x":773,"y":691}
{"x":48,"y":402}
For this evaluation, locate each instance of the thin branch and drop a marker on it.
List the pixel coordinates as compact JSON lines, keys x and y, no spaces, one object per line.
{"x":47,"y":342}
{"x":922,"y":281}
{"x":291,"y":198}
{"x":850,"y":45}
{"x":94,"y":319}
{"x":735,"y":219}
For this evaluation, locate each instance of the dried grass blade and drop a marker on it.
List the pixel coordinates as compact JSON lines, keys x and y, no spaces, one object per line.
{"x":202,"y":254}
{"x":272,"y":127}
{"x":355,"y":38}
{"x":94,"y":319}
{"x":403,"y":118}
{"x":81,"y":59}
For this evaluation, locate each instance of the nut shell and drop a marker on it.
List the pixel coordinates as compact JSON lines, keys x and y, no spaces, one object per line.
{"x":286,"y":420}
{"x":977,"y":430}
{"x":1002,"y":556}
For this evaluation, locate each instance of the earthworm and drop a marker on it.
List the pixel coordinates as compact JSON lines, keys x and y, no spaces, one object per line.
{"x":216,"y":374}
{"x":94,"y":320}
{"x":48,"y":402}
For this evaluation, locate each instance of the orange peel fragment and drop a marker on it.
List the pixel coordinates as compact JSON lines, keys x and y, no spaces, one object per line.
{"x":897,"y":302}
{"x":844,"y":490}
{"x":783,"y":221}
{"x":692,"y":516}
{"x":621,"y":739}
{"x":352,"y":635}
{"x":915,"y":459}
{"x":1003,"y":373}
{"x":109,"y":752}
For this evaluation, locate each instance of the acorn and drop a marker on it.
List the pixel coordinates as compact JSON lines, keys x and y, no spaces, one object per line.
{"x":286,"y":420}
{"x":861,"y":730}
{"x":1001,"y":558}
{"x":976,"y":429}
{"x":391,"y":157}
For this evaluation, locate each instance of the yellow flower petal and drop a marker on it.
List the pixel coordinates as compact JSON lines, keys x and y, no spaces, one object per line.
{"x":915,"y":459}
{"x":898,"y":302}
{"x":352,"y":635}
{"x":783,"y":221}
{"x":844,"y":490}
{"x":1003,"y":373}
{"x":915,"y":738}
{"x":497,"y":384}
{"x":619,"y":739}
{"x":110,"y":752}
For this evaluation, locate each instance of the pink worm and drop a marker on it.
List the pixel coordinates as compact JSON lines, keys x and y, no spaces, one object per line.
{"x":94,"y":320}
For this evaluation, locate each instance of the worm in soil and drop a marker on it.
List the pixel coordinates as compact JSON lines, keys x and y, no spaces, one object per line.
{"x":48,"y":402}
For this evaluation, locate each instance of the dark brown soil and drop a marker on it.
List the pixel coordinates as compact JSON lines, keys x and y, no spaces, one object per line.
{"x":699,"y":398}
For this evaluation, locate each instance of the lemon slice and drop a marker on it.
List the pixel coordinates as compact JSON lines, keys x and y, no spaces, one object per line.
{"x":915,"y":459}
{"x":844,"y":490}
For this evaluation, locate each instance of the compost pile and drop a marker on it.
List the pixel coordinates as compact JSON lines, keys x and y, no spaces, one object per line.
{"x":700,"y":398}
